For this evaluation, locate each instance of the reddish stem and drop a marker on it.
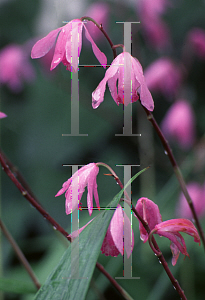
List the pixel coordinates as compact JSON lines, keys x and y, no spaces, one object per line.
{"x":33,"y":202}
{"x":177,"y":171}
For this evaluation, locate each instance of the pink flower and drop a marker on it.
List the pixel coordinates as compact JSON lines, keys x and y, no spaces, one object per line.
{"x":150,"y":213}
{"x":196,"y":38}
{"x":163,"y":76}
{"x":2,"y":115}
{"x":154,"y":27}
{"x":113,"y":242}
{"x":15,"y":67}
{"x":98,"y":11}
{"x":170,"y":229}
{"x":75,"y":186}
{"x":128,"y":72}
{"x":197,"y":194}
{"x":68,"y":46}
{"x":179,"y":124}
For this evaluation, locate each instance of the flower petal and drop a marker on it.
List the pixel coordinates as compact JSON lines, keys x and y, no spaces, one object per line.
{"x":74,"y":44}
{"x":116,"y":228}
{"x":60,"y":45}
{"x":99,"y":54}
{"x":45,"y":44}
{"x":150,"y":213}
{"x":145,"y":95}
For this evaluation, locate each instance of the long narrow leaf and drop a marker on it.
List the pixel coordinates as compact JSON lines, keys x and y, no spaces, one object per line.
{"x":85,"y":251}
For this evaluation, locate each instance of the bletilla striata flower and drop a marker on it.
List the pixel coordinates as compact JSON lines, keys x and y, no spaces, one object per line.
{"x":118,"y":236}
{"x":113,"y":243}
{"x":164,"y":76}
{"x":74,"y":188}
{"x":179,"y":124}
{"x":15,"y":67}
{"x":2,"y":115}
{"x":150,"y":213}
{"x":170,"y":229}
{"x":197,"y":194}
{"x":68,"y":46}
{"x":128,"y":72}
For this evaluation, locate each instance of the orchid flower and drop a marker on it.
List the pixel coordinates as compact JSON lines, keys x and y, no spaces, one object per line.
{"x":150,"y":213}
{"x":115,"y":241}
{"x":68,"y":46}
{"x":2,"y":115}
{"x":179,"y":124}
{"x":128,"y":72}
{"x":75,"y":186}
{"x":15,"y":67}
{"x":171,"y":229}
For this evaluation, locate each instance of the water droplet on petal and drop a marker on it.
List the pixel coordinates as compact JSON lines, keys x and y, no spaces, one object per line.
{"x":165,"y":152}
{"x":54,"y":227}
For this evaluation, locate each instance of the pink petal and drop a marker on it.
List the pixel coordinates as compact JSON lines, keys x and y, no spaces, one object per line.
{"x":45,"y":44}
{"x":74,"y":44}
{"x":145,"y":95}
{"x":60,"y":45}
{"x":150,"y":213}
{"x":128,"y":236}
{"x":113,"y":241}
{"x":176,"y":225}
{"x":175,"y":253}
{"x":98,"y":94}
{"x":2,"y":115}
{"x":99,"y":55}
{"x":116,"y":228}
{"x":108,"y":246}
{"x":64,"y":187}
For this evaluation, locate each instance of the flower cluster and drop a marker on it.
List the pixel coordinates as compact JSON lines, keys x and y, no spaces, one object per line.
{"x":113,"y":243}
{"x":125,"y":69}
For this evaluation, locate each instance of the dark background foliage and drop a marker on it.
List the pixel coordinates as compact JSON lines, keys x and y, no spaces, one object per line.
{"x":31,"y":136}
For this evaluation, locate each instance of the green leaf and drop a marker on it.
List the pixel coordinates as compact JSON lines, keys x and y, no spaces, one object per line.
{"x":16,"y":286}
{"x":60,"y":284}
{"x":85,"y":251}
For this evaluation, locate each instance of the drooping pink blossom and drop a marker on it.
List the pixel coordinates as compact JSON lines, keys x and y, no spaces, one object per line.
{"x":179,"y":124}
{"x":128,"y":72}
{"x":196,"y":39}
{"x":15,"y":67}
{"x":113,"y":243}
{"x":197,"y":194}
{"x":99,"y":11}
{"x":164,"y":76}
{"x":149,"y":211}
{"x":2,"y":115}
{"x":68,"y":46}
{"x":155,"y":29}
{"x":170,"y":229}
{"x":74,"y":188}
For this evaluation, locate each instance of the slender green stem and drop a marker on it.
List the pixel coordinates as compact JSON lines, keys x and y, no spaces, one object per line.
{"x":20,"y":254}
{"x":177,"y":172}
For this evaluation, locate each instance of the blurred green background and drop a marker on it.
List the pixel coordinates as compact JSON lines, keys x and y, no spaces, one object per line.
{"x":31,"y":137}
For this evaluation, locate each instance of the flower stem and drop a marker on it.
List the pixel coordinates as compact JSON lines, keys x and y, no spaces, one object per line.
{"x":114,"y":283}
{"x":31,"y":199}
{"x":34,"y":202}
{"x":20,"y":254}
{"x":104,"y":32}
{"x":177,"y":172}
{"x":156,"y":249}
